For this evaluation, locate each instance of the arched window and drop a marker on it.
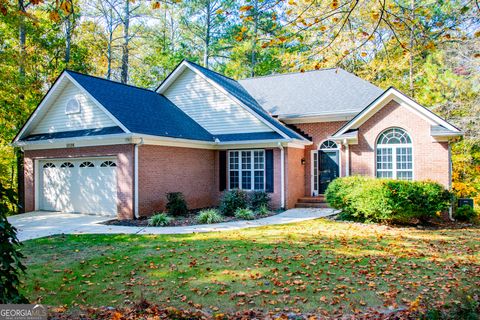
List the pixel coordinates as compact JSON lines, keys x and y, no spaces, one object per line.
{"x":394,"y":155}
{"x":49,"y":165}
{"x":87,"y":164}
{"x":108,"y":163}
{"x":67,"y":165}
{"x":328,"y":144}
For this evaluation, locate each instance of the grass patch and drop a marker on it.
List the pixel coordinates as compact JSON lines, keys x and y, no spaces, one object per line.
{"x":319,"y":265}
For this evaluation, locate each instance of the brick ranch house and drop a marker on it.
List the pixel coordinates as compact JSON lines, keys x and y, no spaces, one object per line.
{"x":98,"y":146}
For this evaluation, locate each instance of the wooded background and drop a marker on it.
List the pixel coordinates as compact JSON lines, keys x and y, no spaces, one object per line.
{"x":427,"y":49}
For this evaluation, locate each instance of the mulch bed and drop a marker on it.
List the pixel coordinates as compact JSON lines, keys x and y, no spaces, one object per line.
{"x":189,"y":220}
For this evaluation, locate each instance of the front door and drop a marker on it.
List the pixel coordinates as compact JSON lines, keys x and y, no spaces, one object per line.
{"x":328,"y":168}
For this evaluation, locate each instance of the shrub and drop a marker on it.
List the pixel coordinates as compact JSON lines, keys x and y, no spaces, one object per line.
{"x":176,"y":204}
{"x":258,"y":199}
{"x":370,"y":199}
{"x":465,"y":213}
{"x":159,"y":220}
{"x":233,"y":200}
{"x":209,"y":216}
{"x":244,"y":214}
{"x":262,"y":210}
{"x":11,"y":265}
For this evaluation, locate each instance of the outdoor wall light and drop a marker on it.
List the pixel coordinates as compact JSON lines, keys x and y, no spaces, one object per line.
{"x":303,"y":161}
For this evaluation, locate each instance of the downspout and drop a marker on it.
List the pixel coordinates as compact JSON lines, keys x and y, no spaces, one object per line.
{"x":347,"y":156}
{"x":282,"y":175}
{"x":135,"y":182}
{"x":450,"y":169}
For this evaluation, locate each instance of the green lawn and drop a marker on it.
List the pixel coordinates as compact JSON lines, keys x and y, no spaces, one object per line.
{"x":308,"y":266}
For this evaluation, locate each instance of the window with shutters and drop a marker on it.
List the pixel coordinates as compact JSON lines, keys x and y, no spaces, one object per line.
{"x":246,"y":169}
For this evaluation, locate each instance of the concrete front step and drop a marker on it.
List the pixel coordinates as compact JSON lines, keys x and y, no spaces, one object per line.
{"x":311,"y":205}
{"x":320,"y":198}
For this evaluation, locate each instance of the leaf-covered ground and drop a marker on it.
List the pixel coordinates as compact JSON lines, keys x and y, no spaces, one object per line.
{"x":319,"y":266}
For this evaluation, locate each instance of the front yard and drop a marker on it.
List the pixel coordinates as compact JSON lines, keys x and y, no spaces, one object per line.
{"x":317,"y":266}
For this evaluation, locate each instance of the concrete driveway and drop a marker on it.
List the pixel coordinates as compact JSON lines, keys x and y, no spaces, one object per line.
{"x":40,"y":224}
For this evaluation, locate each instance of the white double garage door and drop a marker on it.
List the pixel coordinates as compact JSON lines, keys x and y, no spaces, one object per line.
{"x":84,"y":185}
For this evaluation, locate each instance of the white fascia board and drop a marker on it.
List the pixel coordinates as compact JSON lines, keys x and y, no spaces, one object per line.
{"x":98,"y":104}
{"x":172,"y":77}
{"x":343,"y":116}
{"x":386,"y":97}
{"x":39,"y":110}
{"x":100,"y":140}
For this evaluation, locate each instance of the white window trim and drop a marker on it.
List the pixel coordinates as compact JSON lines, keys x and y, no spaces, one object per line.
{"x":252,"y":169}
{"x":340,"y":173}
{"x":394,"y":147}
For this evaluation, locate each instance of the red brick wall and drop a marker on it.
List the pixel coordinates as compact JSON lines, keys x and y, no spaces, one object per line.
{"x":295,"y":176}
{"x":123,"y":153}
{"x":319,"y":132}
{"x":171,"y":169}
{"x":430,"y":158}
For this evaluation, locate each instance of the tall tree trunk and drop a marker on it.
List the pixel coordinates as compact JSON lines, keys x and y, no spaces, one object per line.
{"x":206,"y":51}
{"x":109,"y":43}
{"x":126,"y":39}
{"x":68,"y":37}
{"x":22,"y":41}
{"x":253,"y":58}
{"x":411,"y":48}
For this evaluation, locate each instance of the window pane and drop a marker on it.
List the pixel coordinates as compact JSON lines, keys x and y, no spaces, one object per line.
{"x":259,"y":183}
{"x":258,"y":160}
{"x":233,"y":179}
{"x":404,"y":158}
{"x":384,"y":159}
{"x":234,"y":160}
{"x":384,"y":174}
{"x":405,"y":175}
{"x":246,"y":180}
{"x":246,"y":160}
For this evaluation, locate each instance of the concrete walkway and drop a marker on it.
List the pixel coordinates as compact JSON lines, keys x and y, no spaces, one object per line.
{"x":39,"y":224}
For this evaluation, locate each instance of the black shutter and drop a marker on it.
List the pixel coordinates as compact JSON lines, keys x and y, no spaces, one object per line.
{"x":269,"y":170}
{"x":222,"y":170}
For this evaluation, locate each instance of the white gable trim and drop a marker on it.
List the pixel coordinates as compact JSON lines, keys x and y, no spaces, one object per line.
{"x":389,"y":95}
{"x":46,"y":102}
{"x":178,"y":71}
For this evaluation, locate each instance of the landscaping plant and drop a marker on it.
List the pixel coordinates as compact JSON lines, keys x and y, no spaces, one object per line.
{"x":176,"y":204}
{"x":371,"y":199}
{"x":262,"y":210}
{"x":159,"y":220}
{"x":465,"y":213}
{"x":11,"y":266}
{"x":244,"y":214}
{"x":209,"y":216}
{"x":233,"y":200}
{"x":257,"y":199}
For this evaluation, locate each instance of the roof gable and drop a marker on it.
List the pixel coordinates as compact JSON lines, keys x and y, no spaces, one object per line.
{"x":235,"y":92}
{"x":394,"y":94}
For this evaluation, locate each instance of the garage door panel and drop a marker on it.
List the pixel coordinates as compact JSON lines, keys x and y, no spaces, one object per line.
{"x":79,"y":185}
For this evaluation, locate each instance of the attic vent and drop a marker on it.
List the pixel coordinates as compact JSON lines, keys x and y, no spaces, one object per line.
{"x":73,"y":106}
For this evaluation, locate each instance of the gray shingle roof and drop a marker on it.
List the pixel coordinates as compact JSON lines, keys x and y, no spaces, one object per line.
{"x":328,"y":91}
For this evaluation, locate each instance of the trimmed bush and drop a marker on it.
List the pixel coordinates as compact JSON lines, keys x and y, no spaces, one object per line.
{"x":176,"y":204}
{"x":370,"y":199}
{"x":465,"y":213}
{"x":244,"y":214}
{"x":262,"y":211}
{"x":159,"y":220}
{"x":258,"y":199}
{"x":233,"y":200}
{"x":209,"y":216}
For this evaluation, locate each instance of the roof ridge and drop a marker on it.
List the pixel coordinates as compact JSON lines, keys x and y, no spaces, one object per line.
{"x":109,"y":80}
{"x":291,"y":73}
{"x":222,"y":75}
